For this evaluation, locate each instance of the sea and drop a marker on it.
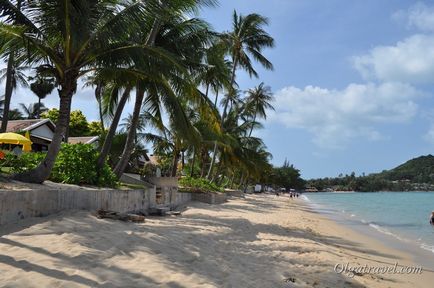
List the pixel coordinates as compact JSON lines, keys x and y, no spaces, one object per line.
{"x":399,"y":219}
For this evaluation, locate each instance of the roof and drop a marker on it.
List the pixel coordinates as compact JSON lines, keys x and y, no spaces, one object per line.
{"x":154,"y":159}
{"x":28,"y":125}
{"x":84,"y":140}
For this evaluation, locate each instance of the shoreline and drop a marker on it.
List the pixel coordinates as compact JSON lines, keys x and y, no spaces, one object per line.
{"x":257,"y":241}
{"x":373,"y":242}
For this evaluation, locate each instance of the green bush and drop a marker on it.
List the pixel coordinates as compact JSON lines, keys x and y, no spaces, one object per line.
{"x":199,"y":185}
{"x":22,"y":163}
{"x":75,"y":164}
{"x":149,"y":170}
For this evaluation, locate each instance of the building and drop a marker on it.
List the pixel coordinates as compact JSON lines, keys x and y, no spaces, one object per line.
{"x":41,"y":131}
{"x":93,"y":140}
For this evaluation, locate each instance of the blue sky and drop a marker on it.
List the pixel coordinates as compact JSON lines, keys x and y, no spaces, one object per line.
{"x":353,"y":82}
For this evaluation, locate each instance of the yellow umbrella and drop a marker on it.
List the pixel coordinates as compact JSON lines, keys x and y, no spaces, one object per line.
{"x":27,"y":147}
{"x":17,"y":139}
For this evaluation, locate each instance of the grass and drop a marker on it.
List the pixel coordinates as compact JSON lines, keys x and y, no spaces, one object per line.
{"x":131,"y":186}
{"x":6,"y":170}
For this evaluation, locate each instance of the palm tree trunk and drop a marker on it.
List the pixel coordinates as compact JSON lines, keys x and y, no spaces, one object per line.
{"x":38,"y":116}
{"x":8,"y":92}
{"x":182,"y":160}
{"x":232,"y":90}
{"x":174,"y":163}
{"x":211,"y":166}
{"x":251,"y":129}
{"x":192,"y":162}
{"x":98,"y":96}
{"x":203,"y":154}
{"x":234,"y":69}
{"x":232,"y":180}
{"x":129,"y":145}
{"x":43,"y":171}
{"x":112,"y":131}
{"x":216,"y":97}
{"x":140,"y":93}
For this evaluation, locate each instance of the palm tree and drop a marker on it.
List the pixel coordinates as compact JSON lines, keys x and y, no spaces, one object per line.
{"x":182,"y":38}
{"x":15,"y":114}
{"x":11,"y":76}
{"x":14,"y":75}
{"x":32,"y":111}
{"x":258,"y":101}
{"x":71,"y":38}
{"x":42,"y":87}
{"x":246,"y":40}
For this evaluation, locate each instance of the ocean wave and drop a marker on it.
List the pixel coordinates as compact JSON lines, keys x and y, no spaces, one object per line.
{"x":427,"y":247}
{"x":387,"y":232}
{"x":305,"y":198}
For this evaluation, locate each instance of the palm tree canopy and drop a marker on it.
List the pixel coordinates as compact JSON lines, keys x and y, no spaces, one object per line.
{"x":248,"y":39}
{"x":258,"y":101}
{"x":32,"y":111}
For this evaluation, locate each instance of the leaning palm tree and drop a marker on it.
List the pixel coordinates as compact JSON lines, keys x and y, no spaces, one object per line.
{"x":71,"y":38}
{"x":182,"y":38}
{"x":258,"y":101}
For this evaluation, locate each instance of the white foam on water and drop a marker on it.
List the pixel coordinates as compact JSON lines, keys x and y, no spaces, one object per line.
{"x":304,"y":197}
{"x":387,"y":232}
{"x":427,"y":247}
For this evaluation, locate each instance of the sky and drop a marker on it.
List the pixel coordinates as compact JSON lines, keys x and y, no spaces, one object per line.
{"x":353,"y":82}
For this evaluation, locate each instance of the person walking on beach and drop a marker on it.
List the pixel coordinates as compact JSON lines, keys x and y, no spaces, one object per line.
{"x":431,"y":220}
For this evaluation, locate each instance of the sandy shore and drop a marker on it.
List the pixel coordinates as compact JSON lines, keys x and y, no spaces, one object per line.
{"x":259,"y":241}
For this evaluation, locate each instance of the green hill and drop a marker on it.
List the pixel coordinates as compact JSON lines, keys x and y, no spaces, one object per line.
{"x":414,"y":175}
{"x":417,"y":170}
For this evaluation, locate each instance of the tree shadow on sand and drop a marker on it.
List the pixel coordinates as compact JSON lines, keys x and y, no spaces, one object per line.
{"x":192,"y":244}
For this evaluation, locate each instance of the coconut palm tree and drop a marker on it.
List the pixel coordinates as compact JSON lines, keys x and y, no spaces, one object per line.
{"x":258,"y":101}
{"x":71,"y":38}
{"x":183,"y":39}
{"x":11,"y":75}
{"x":32,"y":111}
{"x":42,"y":87}
{"x":246,"y":41}
{"x":14,"y":76}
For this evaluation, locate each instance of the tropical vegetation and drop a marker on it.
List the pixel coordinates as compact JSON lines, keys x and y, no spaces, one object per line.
{"x":414,"y":175}
{"x":180,"y":75}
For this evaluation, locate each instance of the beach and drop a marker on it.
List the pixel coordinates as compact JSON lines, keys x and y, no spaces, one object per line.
{"x":256,"y":241}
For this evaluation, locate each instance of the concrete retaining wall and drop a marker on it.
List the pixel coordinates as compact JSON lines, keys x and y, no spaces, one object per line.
{"x":210,"y":198}
{"x":16,"y":205}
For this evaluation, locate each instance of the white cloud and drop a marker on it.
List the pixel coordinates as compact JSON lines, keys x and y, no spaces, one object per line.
{"x":421,"y":16}
{"x":409,"y":61}
{"x":335,"y":117}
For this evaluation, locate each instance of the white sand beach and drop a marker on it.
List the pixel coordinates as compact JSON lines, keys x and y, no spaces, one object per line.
{"x":258,"y":241}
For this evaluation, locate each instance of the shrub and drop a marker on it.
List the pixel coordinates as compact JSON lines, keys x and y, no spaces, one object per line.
{"x":75,"y":164}
{"x":199,"y":185}
{"x":149,"y":170}
{"x":22,"y":163}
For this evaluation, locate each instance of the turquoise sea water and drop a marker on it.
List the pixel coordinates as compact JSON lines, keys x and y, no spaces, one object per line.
{"x":403,"y":216}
